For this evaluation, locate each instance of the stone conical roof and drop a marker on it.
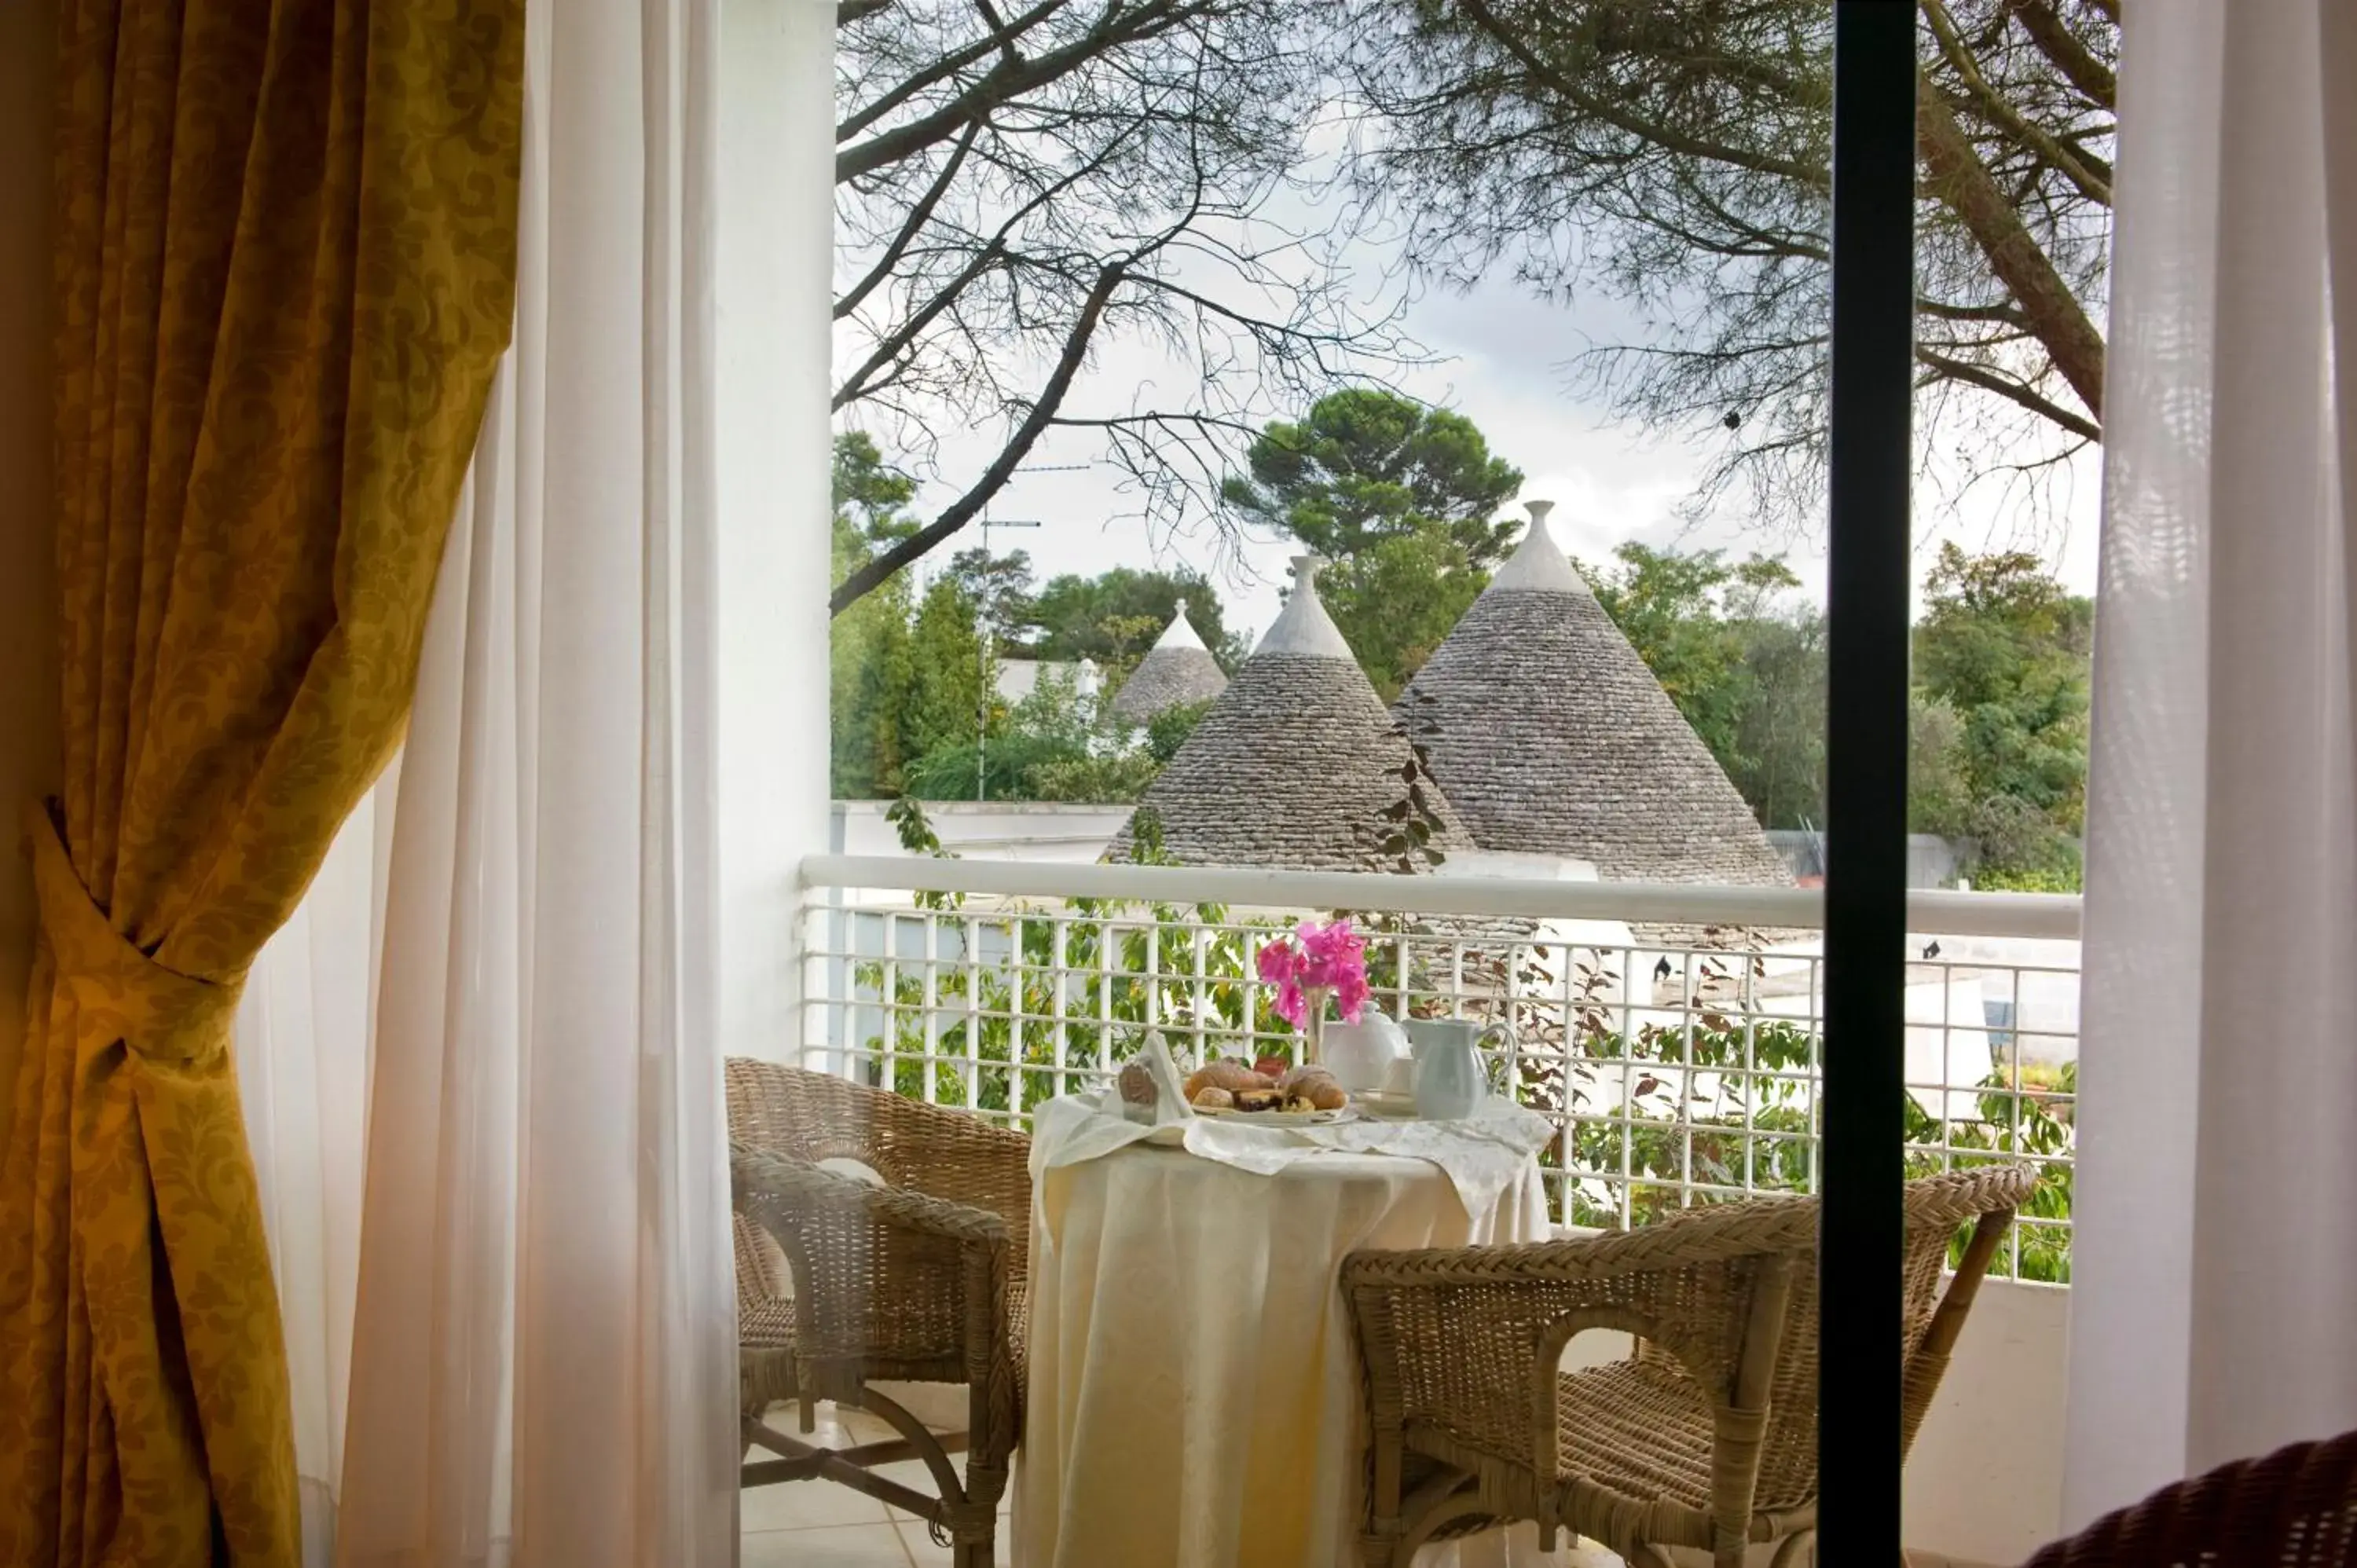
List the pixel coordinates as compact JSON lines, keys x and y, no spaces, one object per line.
{"x":1296,"y":764}
{"x":1553,"y":737}
{"x":1177,"y":670}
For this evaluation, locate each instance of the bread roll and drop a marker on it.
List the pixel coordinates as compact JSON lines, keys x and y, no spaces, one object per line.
{"x":1211,"y":1096}
{"x":1227,"y":1075}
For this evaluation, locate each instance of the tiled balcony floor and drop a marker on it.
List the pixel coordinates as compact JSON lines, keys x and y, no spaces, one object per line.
{"x":818,"y":1524}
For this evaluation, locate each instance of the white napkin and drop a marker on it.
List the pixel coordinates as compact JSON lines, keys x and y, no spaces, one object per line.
{"x":1075,"y":1127}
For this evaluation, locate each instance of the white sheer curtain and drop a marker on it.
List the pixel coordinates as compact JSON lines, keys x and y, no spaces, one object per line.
{"x":497,"y":1180}
{"x":2215,"y":1277}
{"x":302,"y":1030}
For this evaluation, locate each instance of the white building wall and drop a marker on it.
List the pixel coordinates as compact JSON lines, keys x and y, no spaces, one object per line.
{"x":775,"y":265}
{"x":1031,"y":830}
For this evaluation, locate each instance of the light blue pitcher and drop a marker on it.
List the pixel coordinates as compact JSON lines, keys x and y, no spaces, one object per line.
{"x":1450,"y":1084}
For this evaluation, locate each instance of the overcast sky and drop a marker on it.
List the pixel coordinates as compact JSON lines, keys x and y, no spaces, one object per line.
{"x":1500,"y":361}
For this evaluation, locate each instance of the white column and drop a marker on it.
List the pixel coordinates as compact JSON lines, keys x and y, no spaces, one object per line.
{"x":775,"y":201}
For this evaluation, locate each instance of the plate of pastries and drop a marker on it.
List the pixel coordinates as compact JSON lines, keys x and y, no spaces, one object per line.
{"x":1269,"y":1090}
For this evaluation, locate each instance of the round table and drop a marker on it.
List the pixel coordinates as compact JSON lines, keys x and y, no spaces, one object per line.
{"x":1192,"y":1388}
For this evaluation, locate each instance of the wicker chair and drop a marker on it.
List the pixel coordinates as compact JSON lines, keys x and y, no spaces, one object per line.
{"x":2296,"y":1507}
{"x":841,"y":1282}
{"x":1705,"y":1438}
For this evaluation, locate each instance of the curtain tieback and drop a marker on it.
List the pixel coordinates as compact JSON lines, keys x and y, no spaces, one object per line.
{"x":162,"y":1014}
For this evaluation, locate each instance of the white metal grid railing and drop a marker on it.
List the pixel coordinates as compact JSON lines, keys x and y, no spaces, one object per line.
{"x":1673,"y":1033}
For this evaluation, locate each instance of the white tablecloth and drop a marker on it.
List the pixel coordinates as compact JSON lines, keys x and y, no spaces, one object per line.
{"x":1192,"y":1394}
{"x":1483,"y":1155}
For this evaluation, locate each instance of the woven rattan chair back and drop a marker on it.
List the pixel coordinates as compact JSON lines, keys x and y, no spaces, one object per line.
{"x":844,"y":1282}
{"x":1705,"y":1438}
{"x":2296,"y":1507}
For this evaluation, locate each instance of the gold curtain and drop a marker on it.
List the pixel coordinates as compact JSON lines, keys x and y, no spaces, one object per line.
{"x":286,"y":268}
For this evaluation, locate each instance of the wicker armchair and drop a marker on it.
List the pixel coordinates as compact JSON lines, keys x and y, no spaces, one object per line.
{"x":841,"y":1282}
{"x":2296,"y":1507}
{"x":1705,"y":1438}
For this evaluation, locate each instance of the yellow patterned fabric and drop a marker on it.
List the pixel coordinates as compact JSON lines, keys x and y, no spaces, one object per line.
{"x":286,"y":268}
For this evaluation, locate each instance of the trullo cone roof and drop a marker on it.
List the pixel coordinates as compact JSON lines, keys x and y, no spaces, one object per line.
{"x":1177,"y":670}
{"x":1553,"y":737}
{"x":1295,"y":765}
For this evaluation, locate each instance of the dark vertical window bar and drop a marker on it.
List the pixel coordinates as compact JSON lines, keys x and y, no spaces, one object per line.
{"x":1866,"y":804}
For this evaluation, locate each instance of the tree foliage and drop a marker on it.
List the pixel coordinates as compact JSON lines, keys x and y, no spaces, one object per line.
{"x":998,"y":585}
{"x":1367,"y":465}
{"x":1401,"y":500}
{"x":1395,"y":600}
{"x":1675,"y":157}
{"x":911,"y":712}
{"x":1741,"y":656}
{"x":1055,"y":744}
{"x":1114,"y":617}
{"x":2005,"y":649}
{"x":872,"y":674}
{"x":1997,"y":732}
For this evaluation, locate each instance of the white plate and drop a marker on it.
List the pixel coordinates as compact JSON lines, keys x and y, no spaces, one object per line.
{"x":1276,"y":1118}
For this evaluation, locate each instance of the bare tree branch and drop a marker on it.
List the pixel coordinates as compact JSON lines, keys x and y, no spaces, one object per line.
{"x":1022,"y":189}
{"x":1662,"y":135}
{"x":2011,"y":390}
{"x":943,"y":67}
{"x":1672,"y":155}
{"x":920,"y":214}
{"x":1012,"y":76}
{"x":2073,"y":58}
{"x":1955,"y":175}
{"x":967,"y":507}
{"x":1993,"y":104}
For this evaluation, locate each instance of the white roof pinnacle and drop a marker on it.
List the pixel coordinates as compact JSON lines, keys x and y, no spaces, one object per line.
{"x":1178,"y":634}
{"x":1536,"y":565}
{"x":1303,"y":627}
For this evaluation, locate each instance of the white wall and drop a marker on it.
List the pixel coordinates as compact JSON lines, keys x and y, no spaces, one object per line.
{"x":1984,"y":1482}
{"x":1027,"y":831}
{"x":29,"y":637}
{"x":775,"y":212}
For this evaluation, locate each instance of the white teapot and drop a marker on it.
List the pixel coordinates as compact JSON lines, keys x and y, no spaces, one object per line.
{"x":1360,"y":1054}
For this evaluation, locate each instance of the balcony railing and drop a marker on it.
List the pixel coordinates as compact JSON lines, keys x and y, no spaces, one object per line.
{"x":1671,"y":1032}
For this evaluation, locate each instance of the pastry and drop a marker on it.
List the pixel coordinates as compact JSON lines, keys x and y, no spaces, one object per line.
{"x":1211,"y":1096}
{"x":1259,"y":1099}
{"x":1227,"y":1075}
{"x":1316,"y":1088}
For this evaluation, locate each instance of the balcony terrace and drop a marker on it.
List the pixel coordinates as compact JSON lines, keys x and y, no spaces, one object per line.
{"x":1671,"y":1032}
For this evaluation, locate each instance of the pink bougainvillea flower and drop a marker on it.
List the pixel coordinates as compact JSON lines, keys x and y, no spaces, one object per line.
{"x":1277,"y":962}
{"x":1350,"y":997}
{"x":1313,"y":962}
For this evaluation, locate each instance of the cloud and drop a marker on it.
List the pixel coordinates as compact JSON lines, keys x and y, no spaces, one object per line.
{"x":1503,"y":361}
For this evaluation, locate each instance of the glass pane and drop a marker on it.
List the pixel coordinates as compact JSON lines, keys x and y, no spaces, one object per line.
{"x":1138,"y":303}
